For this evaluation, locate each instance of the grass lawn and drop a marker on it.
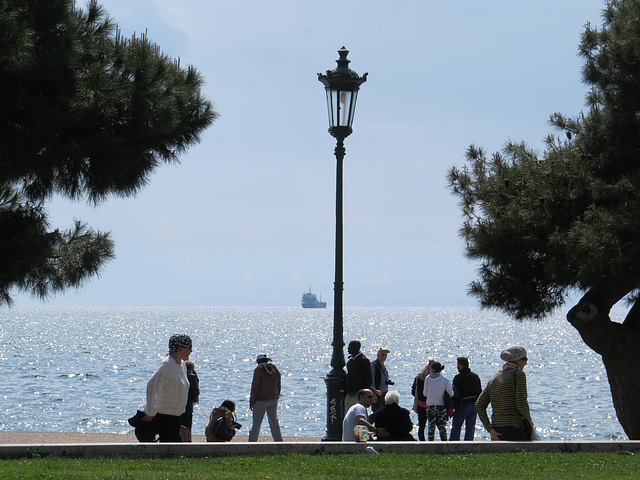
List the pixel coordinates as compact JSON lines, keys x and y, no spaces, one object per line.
{"x":534,"y":465}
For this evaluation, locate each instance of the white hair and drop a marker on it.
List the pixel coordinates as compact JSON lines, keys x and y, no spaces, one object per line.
{"x":392,"y":397}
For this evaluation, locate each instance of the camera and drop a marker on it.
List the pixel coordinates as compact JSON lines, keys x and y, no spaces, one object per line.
{"x":389,"y":382}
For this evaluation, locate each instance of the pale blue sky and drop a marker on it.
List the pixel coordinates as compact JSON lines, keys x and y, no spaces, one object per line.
{"x":248,"y":217}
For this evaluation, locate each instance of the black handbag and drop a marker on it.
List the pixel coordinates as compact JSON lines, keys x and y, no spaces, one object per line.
{"x":144,"y":431}
{"x":221,"y":431}
{"x":527,"y":427}
{"x":448,"y":403}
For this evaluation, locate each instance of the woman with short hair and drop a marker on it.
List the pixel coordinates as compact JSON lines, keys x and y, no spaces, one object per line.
{"x":394,"y":419}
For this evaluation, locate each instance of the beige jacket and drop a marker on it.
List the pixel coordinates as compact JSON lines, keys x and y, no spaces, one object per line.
{"x":215,"y":415}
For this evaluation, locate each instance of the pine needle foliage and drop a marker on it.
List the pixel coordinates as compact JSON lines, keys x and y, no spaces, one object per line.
{"x":544,"y":225}
{"x":85,"y":114}
{"x":547,"y":225}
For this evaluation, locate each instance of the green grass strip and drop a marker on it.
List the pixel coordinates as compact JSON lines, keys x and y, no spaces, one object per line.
{"x":525,"y":465}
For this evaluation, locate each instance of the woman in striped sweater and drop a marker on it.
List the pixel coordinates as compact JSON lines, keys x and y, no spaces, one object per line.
{"x":506,"y":391}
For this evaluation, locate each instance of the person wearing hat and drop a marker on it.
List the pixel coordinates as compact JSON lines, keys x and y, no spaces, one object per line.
{"x":168,"y":390}
{"x":380,"y":379}
{"x":265,"y":392}
{"x":506,"y":391}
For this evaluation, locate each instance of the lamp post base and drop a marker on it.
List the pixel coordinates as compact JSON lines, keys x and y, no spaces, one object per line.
{"x":336,"y":386}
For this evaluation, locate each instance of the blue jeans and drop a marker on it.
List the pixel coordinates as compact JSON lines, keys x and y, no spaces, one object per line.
{"x":466,"y":413}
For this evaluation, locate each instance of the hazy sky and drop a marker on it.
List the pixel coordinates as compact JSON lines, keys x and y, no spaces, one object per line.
{"x":248,"y":218}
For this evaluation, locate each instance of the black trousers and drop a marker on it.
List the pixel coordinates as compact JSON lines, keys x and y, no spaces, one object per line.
{"x":422,"y":422}
{"x":168,"y":428}
{"x":512,"y":434}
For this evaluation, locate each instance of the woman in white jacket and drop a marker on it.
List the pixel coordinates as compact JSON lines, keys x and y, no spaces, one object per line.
{"x":434,"y":387}
{"x":168,"y":389}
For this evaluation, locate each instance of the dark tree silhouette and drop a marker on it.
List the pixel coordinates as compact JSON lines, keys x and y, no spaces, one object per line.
{"x":565,"y":221}
{"x":85,"y":114}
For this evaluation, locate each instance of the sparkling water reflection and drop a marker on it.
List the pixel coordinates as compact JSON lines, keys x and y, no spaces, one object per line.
{"x":85,"y":369}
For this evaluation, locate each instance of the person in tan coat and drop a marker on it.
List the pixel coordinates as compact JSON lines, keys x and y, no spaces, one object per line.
{"x":224,"y":411}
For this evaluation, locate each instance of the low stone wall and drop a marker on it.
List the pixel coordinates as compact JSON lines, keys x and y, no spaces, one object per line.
{"x":167,"y":450}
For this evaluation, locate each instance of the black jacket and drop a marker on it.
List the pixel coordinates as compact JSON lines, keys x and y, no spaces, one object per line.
{"x":396,"y":421}
{"x":466,"y":387}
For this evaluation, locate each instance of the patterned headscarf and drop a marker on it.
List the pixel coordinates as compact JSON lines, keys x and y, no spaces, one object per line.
{"x":178,"y":342}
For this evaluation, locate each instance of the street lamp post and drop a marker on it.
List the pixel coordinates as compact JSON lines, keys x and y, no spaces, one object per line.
{"x":342,"y":85}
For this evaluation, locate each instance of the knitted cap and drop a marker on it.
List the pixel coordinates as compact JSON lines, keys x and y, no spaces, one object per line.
{"x":513,"y":353}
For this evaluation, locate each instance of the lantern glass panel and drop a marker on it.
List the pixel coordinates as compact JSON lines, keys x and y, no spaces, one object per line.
{"x":351,"y":106}
{"x":341,"y":107}
{"x":344,"y":108}
{"x":330,"y":107}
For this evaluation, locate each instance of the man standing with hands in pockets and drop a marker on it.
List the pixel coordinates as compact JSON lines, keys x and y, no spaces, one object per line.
{"x":466,"y":387}
{"x":380,"y":379}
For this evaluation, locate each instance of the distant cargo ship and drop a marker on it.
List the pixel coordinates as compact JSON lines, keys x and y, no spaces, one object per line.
{"x":310,"y":300}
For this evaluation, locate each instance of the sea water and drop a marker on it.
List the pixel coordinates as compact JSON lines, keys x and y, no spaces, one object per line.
{"x":86,"y":369}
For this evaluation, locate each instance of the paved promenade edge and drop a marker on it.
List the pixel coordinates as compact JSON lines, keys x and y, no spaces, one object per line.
{"x":178,"y":450}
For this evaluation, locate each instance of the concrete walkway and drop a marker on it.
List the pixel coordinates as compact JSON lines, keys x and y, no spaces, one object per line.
{"x":88,"y":447}
{"x":10,"y":437}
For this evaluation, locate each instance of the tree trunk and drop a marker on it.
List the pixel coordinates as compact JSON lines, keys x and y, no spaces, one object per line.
{"x":619,"y":346}
{"x":624,"y":381}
